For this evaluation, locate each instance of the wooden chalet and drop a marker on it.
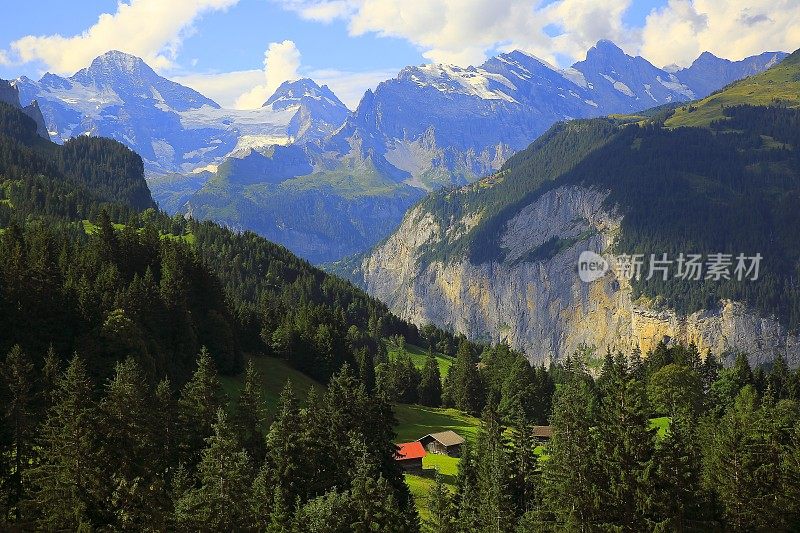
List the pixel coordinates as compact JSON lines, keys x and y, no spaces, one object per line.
{"x":409,"y":455}
{"x":443,"y":443}
{"x":542,"y":432}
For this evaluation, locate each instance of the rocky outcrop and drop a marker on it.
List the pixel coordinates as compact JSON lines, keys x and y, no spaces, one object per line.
{"x":539,"y":304}
{"x":9,"y":94}
{"x":33,"y":111}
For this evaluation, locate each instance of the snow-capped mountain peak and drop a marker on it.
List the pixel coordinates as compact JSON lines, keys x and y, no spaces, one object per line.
{"x":302,"y":91}
{"x":470,"y":81}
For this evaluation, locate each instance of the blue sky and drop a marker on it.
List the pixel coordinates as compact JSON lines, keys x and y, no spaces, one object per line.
{"x":219,"y":46}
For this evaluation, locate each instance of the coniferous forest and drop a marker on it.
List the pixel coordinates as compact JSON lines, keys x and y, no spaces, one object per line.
{"x":120,"y":324}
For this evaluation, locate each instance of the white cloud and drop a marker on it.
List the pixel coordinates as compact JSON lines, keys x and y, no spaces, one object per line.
{"x":281,"y":63}
{"x":584,"y":22}
{"x":224,"y":87}
{"x":465,"y":32}
{"x":4,"y":60}
{"x":733,"y":29}
{"x":151,"y":29}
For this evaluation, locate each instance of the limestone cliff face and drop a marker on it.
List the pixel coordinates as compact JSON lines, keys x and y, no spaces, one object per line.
{"x":541,"y":306}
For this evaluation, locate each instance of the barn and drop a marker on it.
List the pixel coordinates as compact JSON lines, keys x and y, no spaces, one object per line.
{"x":542,"y":432}
{"x":444,"y":443}
{"x":409,"y":456}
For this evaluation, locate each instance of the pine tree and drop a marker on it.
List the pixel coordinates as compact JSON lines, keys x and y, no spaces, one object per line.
{"x":66,"y":483}
{"x":18,"y":377}
{"x":221,"y":501}
{"x":200,"y":399}
{"x":430,"y":385}
{"x":251,"y":413}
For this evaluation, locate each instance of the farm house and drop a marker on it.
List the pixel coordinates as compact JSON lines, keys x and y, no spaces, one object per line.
{"x":444,"y":443}
{"x":409,"y":455}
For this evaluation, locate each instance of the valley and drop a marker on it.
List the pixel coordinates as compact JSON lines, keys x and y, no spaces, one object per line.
{"x":495,"y":293}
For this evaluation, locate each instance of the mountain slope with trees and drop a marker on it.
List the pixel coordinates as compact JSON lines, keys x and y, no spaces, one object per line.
{"x":493,"y":254}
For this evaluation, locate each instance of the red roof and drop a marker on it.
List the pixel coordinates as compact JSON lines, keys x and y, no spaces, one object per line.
{"x":410,"y":450}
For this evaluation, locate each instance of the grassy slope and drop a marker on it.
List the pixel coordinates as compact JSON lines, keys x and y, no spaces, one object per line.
{"x":780,"y":84}
{"x":189,"y":238}
{"x":418,"y":356}
{"x":274,"y":374}
{"x":415,"y":421}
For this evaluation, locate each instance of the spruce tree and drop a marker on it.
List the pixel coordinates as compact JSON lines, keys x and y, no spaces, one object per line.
{"x":430,"y":385}
{"x":250,"y":414}
{"x":262,"y":494}
{"x":164,"y":429}
{"x":674,"y":479}
{"x":286,"y":450}
{"x":19,"y":379}
{"x":366,"y":368}
{"x":66,"y":482}
{"x":741,"y":467}
{"x":221,"y":501}
{"x":280,"y":518}
{"x":626,"y":445}
{"x":571,"y":476}
{"x":440,"y":508}
{"x":200,"y":399}
{"x":525,"y":476}
{"x":466,"y":499}
{"x":779,"y":379}
{"x":492,"y":474}
{"x":51,"y":370}
{"x":466,"y":387}
{"x":374,"y":503}
{"x":127,"y":450}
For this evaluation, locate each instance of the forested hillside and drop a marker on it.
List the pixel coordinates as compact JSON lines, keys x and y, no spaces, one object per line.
{"x":727,"y":188}
{"x":116,"y":321}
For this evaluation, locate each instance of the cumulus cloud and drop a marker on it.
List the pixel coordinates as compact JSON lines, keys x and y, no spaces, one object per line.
{"x":151,"y":29}
{"x":465,"y":32}
{"x":281,"y":63}
{"x":734,"y":29}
